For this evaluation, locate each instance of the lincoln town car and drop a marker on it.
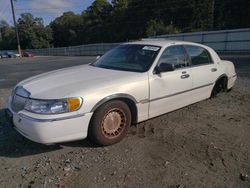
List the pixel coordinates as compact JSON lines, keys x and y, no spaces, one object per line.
{"x":131,"y":83}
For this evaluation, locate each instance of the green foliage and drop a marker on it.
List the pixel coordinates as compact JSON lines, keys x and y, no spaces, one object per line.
{"x":159,"y":28}
{"x":123,"y":20}
{"x":66,"y":29}
{"x":32,"y":32}
{"x":96,"y":18}
{"x":7,"y":39}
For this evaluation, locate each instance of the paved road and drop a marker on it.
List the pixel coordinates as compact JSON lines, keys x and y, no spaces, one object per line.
{"x":14,"y":70}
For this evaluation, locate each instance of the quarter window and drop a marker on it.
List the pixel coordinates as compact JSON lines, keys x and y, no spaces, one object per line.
{"x":198,"y":55}
{"x":174,"y":55}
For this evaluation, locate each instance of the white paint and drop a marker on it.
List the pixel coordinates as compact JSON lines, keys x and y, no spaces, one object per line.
{"x":94,"y":84}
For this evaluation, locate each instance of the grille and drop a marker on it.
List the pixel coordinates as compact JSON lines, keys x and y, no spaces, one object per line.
{"x":18,"y":103}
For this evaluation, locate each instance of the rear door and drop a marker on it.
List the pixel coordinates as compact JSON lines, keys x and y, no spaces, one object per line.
{"x":204,"y":71}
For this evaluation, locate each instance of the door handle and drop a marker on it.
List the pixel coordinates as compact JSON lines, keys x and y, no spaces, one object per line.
{"x":213,"y":69}
{"x":184,"y":76}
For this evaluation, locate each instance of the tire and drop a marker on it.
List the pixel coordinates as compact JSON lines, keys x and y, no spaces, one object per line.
{"x":220,"y":86}
{"x":110,"y":123}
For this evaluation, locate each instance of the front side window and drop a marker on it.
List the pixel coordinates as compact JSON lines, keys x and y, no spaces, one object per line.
{"x":129,"y":57}
{"x":198,"y":55}
{"x":174,"y":55}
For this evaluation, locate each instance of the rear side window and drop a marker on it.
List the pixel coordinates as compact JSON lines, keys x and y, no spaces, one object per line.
{"x":198,"y":55}
{"x":174,"y":55}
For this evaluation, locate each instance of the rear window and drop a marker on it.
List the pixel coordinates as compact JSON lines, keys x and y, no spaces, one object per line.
{"x":198,"y":55}
{"x":174,"y":55}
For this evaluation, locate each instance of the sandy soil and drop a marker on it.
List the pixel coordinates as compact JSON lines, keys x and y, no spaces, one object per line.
{"x":203,"y":145}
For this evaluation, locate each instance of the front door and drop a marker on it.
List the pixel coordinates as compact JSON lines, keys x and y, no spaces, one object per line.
{"x":169,"y":90}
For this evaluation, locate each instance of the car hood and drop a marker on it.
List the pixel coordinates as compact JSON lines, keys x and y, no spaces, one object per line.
{"x":69,"y":82}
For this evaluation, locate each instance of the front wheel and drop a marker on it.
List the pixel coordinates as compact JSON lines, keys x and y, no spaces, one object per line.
{"x":110,"y":123}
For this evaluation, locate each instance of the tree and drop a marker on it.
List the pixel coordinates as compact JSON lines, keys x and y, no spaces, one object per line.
{"x":95,"y":21}
{"x":32,"y":32}
{"x":159,"y":28}
{"x":123,"y":20}
{"x":120,"y":5}
{"x":232,"y":14}
{"x":7,"y":36}
{"x":3,"y":24}
{"x":117,"y":23}
{"x":202,"y":17}
{"x":67,"y":29}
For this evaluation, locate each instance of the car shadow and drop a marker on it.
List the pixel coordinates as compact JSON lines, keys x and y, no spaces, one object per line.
{"x":13,"y":144}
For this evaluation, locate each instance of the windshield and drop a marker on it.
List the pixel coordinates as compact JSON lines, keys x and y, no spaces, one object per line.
{"x":129,"y":57}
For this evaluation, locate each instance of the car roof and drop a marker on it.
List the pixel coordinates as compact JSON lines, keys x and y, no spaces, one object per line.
{"x":162,"y":42}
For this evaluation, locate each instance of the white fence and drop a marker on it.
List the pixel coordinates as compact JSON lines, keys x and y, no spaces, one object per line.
{"x":83,"y":50}
{"x":225,"y":41}
{"x":222,"y":41}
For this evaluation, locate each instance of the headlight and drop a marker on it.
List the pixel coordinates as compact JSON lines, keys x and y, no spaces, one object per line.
{"x":53,"y":106}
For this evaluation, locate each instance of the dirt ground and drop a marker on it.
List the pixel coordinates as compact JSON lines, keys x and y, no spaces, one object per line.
{"x":203,"y":145}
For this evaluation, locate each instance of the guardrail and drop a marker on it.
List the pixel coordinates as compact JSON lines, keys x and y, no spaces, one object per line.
{"x":224,"y":42}
{"x":82,"y":50}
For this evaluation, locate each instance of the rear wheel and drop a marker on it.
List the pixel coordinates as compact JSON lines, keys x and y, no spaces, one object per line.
{"x":110,"y":123}
{"x":220,"y":86}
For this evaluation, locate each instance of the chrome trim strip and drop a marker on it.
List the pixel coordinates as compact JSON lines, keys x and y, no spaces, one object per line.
{"x":234,"y":76}
{"x":114,"y":96}
{"x":10,"y":109}
{"x":50,"y":120}
{"x":144,"y":101}
{"x":21,"y":132}
{"x":194,"y":66}
{"x":178,"y":93}
{"x":20,"y":96}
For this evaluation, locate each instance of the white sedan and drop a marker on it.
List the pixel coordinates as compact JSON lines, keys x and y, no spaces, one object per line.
{"x":131,"y":83}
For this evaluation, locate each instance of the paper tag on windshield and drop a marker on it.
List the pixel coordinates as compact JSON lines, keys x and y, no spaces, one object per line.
{"x":151,"y":48}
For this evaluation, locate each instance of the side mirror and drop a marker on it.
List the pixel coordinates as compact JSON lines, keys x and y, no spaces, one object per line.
{"x":164,"y":67}
{"x":97,"y":57}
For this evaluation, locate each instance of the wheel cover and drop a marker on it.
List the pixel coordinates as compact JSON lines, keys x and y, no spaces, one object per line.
{"x":113,"y":123}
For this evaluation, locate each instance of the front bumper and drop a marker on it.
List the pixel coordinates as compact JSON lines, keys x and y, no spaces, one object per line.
{"x":9,"y":117}
{"x":48,"y":129}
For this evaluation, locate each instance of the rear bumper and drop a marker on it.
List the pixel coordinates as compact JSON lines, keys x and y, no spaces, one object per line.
{"x":231,"y":81}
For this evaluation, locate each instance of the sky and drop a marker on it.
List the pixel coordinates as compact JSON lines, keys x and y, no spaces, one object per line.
{"x":47,"y":9}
